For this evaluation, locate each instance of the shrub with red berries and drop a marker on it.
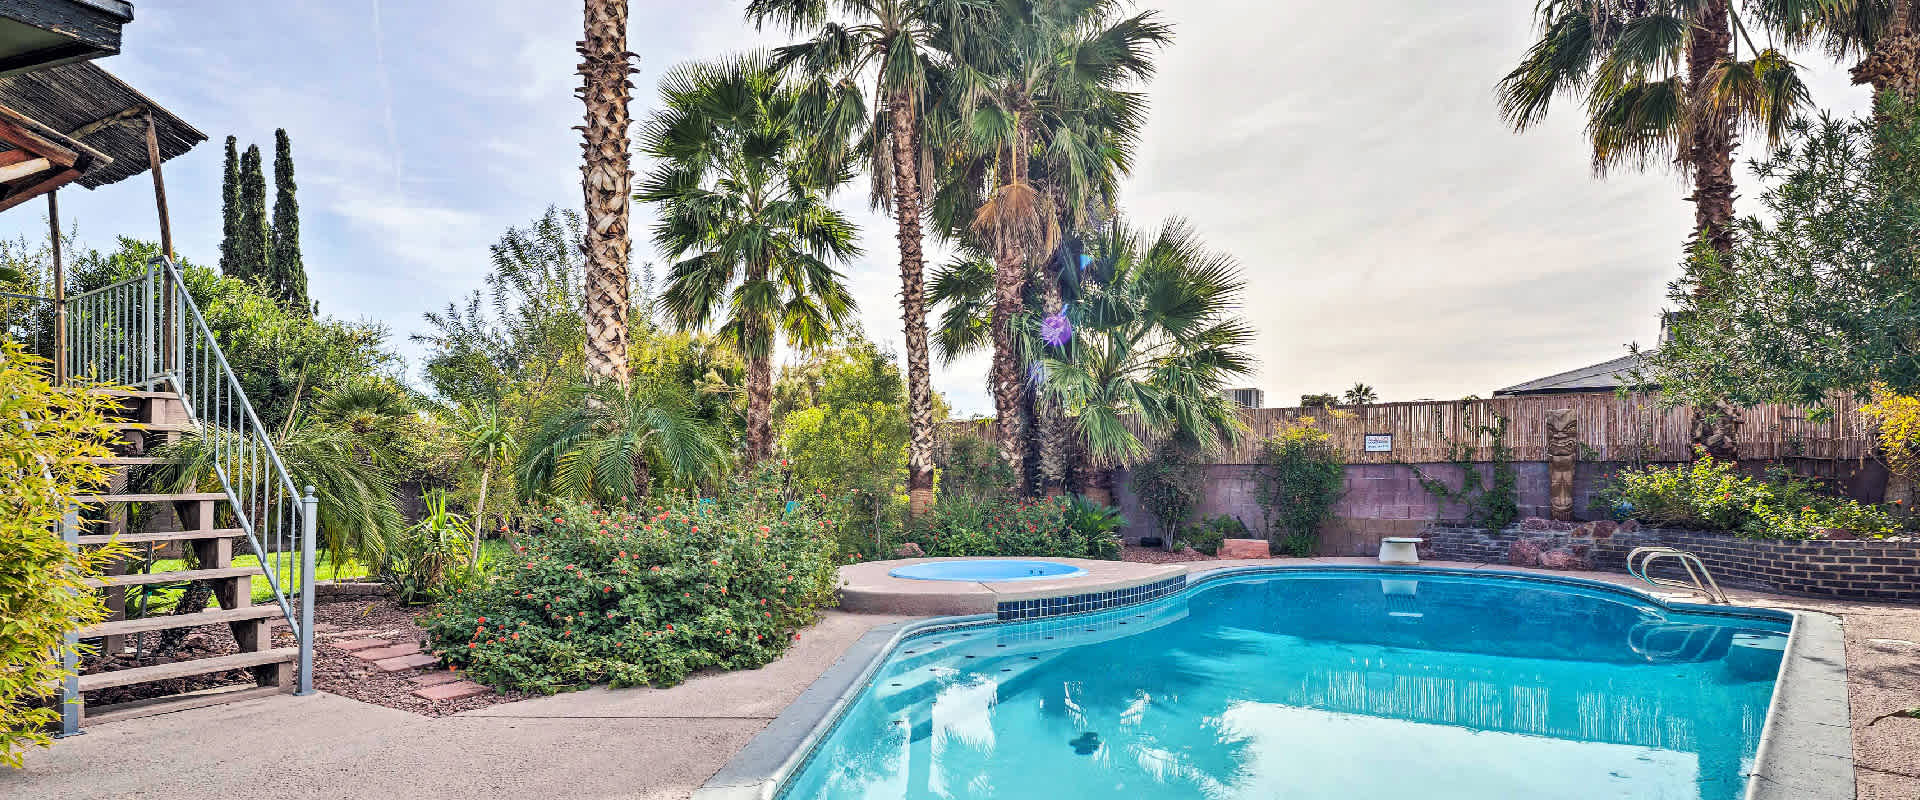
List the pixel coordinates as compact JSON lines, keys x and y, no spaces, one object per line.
{"x":643,"y":595}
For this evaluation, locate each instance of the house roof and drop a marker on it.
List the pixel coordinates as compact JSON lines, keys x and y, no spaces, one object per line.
{"x":83,"y":104}
{"x":1605,"y":376}
{"x":35,"y":34}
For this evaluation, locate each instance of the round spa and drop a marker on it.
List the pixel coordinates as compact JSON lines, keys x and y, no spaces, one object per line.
{"x":986,"y":570}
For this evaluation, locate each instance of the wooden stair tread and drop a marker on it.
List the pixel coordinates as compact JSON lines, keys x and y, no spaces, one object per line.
{"x":152,"y":426}
{"x":166,"y":621}
{"x":182,"y":669}
{"x":173,"y":577}
{"x":179,"y":702}
{"x":161,"y":536}
{"x":151,"y":498}
{"x":125,"y":461}
{"x":136,"y":393}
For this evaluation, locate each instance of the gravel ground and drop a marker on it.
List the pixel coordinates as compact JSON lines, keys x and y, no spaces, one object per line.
{"x":1155,"y":555}
{"x":340,"y":672}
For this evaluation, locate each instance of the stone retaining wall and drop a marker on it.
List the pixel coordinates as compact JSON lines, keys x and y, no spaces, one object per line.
{"x":1855,"y":569}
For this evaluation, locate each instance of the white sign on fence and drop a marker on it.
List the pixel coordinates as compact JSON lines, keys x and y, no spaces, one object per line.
{"x":1379,"y":443}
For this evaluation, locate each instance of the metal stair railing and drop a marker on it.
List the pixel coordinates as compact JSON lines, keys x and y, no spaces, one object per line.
{"x":146,"y":331}
{"x":1699,"y":580}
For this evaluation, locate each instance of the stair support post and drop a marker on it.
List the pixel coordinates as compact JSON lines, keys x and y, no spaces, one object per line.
{"x":309,"y":508}
{"x":70,"y":654}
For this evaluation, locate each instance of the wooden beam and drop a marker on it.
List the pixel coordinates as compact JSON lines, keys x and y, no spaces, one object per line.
{"x":58,"y":180}
{"x":19,"y":136}
{"x":59,"y":291}
{"x":15,"y":156}
{"x":159,"y":185}
{"x":123,"y":115}
{"x":14,"y":172}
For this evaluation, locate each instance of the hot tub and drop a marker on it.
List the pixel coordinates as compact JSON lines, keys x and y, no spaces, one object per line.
{"x":986,"y":570}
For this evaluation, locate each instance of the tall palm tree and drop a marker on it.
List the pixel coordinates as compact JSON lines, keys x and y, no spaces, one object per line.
{"x":894,"y":44}
{"x":607,"y":182}
{"x":742,"y":180}
{"x":1361,"y":395}
{"x":1662,"y":81}
{"x":1020,"y":87}
{"x":1882,"y":37}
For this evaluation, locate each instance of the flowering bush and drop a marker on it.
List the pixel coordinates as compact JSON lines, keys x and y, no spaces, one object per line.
{"x":1050,"y":527}
{"x":643,"y":595}
{"x":1709,"y":494}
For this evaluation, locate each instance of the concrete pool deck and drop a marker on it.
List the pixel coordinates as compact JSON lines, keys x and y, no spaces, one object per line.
{"x":666,"y":743}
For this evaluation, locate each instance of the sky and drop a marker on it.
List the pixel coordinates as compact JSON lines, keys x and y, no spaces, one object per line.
{"x":1350,"y":156}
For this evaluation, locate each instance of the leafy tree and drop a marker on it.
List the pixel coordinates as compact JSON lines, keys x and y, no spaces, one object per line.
{"x":50,"y":452}
{"x":852,"y":436}
{"x":742,"y":183}
{"x":896,"y":43}
{"x":230,"y":210}
{"x":1168,"y":485}
{"x":1823,"y":292}
{"x":486,"y":440}
{"x":1298,"y":477}
{"x":286,"y":272}
{"x":1361,"y":395}
{"x":1320,"y":400}
{"x":1663,"y":83}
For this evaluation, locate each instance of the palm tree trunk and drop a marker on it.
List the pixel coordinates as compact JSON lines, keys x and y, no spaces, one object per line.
{"x":759,"y":391}
{"x":1711,"y":142}
{"x":1009,"y":278}
{"x":607,"y":182}
{"x":1894,"y":64}
{"x":913,"y":302}
{"x":1052,"y":421}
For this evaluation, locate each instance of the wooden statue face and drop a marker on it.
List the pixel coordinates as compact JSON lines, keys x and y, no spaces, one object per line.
{"x":1563,"y":432}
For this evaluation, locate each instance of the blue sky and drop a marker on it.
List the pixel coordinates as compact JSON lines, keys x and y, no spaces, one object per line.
{"x":1351,"y":158}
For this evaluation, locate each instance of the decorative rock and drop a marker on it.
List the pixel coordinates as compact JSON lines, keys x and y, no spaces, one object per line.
{"x":1583,"y":530}
{"x":1244,"y":548}
{"x":1629,"y":526}
{"x":1557,"y":558}
{"x":325,"y":627}
{"x":351,"y":645}
{"x":384,"y":653}
{"x":1524,"y":553}
{"x":1536,"y":524}
{"x":404,"y":663}
{"x":456,"y":690}
{"x":909,"y":550}
{"x":1604,"y":529}
{"x":435,"y":678}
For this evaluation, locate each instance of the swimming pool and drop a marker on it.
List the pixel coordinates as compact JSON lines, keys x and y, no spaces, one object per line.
{"x":1356,"y":685}
{"x":986,"y":570}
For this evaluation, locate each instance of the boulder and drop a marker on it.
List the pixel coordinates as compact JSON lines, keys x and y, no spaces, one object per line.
{"x":1244,"y":548}
{"x":1604,"y":529}
{"x":1629,"y":526}
{"x":1536,"y":524}
{"x":909,"y":550}
{"x":1564,"y":558}
{"x":1524,"y":553}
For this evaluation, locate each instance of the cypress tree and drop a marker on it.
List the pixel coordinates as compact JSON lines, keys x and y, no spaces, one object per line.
{"x":250,"y":245}
{"x":287,"y":274}
{"x":229,"y":207}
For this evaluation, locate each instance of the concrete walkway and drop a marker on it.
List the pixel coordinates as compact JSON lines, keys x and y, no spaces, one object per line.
{"x":657,"y":744}
{"x":663,"y":744}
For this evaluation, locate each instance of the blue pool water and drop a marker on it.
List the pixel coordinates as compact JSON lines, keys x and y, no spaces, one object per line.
{"x":1318,"y":686}
{"x":989,"y":570}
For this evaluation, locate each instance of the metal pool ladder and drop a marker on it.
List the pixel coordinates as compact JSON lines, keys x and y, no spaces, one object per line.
{"x":1699,"y":580}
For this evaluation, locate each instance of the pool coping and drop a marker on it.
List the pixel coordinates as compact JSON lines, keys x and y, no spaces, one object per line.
{"x":1805,"y":750}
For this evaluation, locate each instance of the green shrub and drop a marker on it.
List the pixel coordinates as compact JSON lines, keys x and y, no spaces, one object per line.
{"x":1298,"y":477}
{"x":1168,"y":486}
{"x":974,"y":469}
{"x":428,"y":560}
{"x":1207,"y":536}
{"x":644,"y":595}
{"x":1057,"y":527}
{"x":1709,"y":494}
{"x":47,"y":435}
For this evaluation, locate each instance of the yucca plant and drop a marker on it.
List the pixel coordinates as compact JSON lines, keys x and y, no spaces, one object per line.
{"x":432,"y":554}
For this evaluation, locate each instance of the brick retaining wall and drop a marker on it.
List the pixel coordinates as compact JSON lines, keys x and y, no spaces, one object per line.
{"x":1855,"y":569}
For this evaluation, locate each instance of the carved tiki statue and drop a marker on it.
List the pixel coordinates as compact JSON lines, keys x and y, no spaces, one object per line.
{"x":1563,"y":444}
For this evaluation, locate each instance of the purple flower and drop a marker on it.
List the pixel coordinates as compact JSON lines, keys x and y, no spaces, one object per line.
{"x":1056,"y":330}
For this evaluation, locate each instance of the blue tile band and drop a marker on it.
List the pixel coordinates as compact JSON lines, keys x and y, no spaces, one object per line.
{"x":1092,"y":601}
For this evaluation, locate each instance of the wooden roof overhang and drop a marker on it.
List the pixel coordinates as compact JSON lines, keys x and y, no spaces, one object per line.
{"x":77,"y":123}
{"x":41,"y":33}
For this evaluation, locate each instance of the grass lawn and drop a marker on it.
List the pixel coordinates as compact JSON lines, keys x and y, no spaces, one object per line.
{"x":163,"y":599}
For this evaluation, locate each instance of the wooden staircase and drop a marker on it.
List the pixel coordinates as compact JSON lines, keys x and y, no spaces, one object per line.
{"x":173,"y":526}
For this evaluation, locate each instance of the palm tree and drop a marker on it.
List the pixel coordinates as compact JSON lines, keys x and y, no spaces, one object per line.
{"x":484,"y":441}
{"x":893,"y":42}
{"x":608,"y":443}
{"x":607,"y":182}
{"x":1881,"y":36}
{"x":1156,"y":344}
{"x":1361,"y":395}
{"x":742,"y":179}
{"x":1663,"y":82}
{"x":1022,"y":89}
